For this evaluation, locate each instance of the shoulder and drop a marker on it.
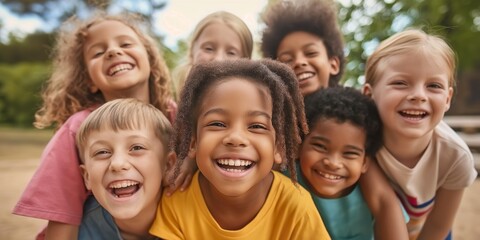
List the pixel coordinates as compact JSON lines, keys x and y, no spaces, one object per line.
{"x":287,"y":192}
{"x":446,"y":137}
{"x":454,"y":157}
{"x":96,"y":222}
{"x":73,"y":122}
{"x":180,"y":199}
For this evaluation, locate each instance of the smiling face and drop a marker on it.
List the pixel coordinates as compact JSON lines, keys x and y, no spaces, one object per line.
{"x":412,"y":94}
{"x":116,"y":60}
{"x":124,"y":170}
{"x":216,"y":42}
{"x":331,"y":162}
{"x":234,"y":144}
{"x":306,"y":54}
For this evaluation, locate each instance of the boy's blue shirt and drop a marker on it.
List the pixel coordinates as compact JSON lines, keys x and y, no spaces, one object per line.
{"x":97,"y":223}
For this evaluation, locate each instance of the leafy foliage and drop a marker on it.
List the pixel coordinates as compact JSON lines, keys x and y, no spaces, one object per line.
{"x":35,"y":47}
{"x":366,"y":23}
{"x":20,"y":86}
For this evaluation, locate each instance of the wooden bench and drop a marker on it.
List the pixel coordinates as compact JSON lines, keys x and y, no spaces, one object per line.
{"x":467,"y":124}
{"x":468,"y":128}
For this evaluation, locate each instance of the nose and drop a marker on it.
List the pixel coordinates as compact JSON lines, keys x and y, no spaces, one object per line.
{"x":235,"y":138}
{"x":332,"y":162}
{"x":114,"y":51}
{"x":119,"y":162}
{"x":299,"y":61}
{"x":219,"y":56}
{"x":417,"y":94}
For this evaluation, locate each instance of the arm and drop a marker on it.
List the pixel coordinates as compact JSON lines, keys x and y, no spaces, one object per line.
{"x":440,"y":220}
{"x":383,"y":203}
{"x":187,"y":169}
{"x":58,"y":230}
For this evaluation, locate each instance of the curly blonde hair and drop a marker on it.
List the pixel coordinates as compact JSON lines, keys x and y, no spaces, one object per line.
{"x":67,"y":91}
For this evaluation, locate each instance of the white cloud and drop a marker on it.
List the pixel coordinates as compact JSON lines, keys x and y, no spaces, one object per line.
{"x":19,"y":26}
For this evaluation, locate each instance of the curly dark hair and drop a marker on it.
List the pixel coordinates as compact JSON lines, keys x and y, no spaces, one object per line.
{"x":318,"y":17}
{"x":287,"y":103}
{"x":345,"y":104}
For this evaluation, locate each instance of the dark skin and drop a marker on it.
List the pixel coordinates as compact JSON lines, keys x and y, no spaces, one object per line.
{"x":383,"y":203}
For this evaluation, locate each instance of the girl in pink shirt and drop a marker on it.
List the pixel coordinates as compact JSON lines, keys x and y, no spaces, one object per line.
{"x":104,"y":58}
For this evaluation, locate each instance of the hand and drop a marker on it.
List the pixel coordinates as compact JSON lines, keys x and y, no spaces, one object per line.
{"x":183,"y":179}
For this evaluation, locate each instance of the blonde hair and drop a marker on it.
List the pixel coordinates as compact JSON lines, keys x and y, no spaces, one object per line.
{"x":125,"y":114}
{"x":408,"y":41}
{"x":67,"y":91}
{"x":230,"y":20}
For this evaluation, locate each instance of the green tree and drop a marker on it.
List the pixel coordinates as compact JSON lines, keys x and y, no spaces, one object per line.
{"x":35,"y":47}
{"x":20,"y":86}
{"x":366,"y":23}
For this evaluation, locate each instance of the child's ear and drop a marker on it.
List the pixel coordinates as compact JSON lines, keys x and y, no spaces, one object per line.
{"x":192,"y":151}
{"x":277,"y":158}
{"x":367,"y":90}
{"x":449,"y":99}
{"x":334,"y":65}
{"x":86,"y":176}
{"x":366,"y":164}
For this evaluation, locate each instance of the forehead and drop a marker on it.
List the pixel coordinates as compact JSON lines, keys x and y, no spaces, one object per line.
{"x":420,"y":59}
{"x":219,"y":32}
{"x":334,"y":129}
{"x":108,"y":29}
{"x":105,"y":133}
{"x":299,"y":39}
{"x":237,"y":89}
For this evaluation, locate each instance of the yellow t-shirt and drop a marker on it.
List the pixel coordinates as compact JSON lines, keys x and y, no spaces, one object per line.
{"x":288,"y":213}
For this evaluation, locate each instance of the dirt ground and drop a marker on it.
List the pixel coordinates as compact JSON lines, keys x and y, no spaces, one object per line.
{"x":15,"y":174}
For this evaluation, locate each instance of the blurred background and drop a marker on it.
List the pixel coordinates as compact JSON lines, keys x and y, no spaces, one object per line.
{"x":27,"y":33}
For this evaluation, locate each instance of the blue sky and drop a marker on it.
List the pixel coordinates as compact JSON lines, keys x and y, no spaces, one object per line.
{"x":176,"y":21}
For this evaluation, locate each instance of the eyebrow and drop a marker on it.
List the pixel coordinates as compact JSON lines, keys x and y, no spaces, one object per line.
{"x":317,"y":137}
{"x":250,"y":113}
{"x":117,"y":38}
{"x":302,"y":47}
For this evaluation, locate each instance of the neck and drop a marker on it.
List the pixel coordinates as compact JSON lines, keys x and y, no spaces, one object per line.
{"x":407,"y":151}
{"x":140,"y":92}
{"x":137,"y":228}
{"x":234,"y":213}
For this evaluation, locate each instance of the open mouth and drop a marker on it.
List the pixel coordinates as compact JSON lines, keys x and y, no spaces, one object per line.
{"x":119,"y":68}
{"x":413,"y":114}
{"x":121,"y":189}
{"x":329,"y":176}
{"x":304,"y":76}
{"x":235,"y":165}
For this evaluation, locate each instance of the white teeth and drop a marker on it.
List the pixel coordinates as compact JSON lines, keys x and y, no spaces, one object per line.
{"x":234,"y":162}
{"x":330,"y":176}
{"x":118,"y":68}
{"x":123,"y":184}
{"x":304,"y":76}
{"x":414,"y":112}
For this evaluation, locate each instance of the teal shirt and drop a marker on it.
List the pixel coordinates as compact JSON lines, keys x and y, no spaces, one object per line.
{"x":347,"y":217}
